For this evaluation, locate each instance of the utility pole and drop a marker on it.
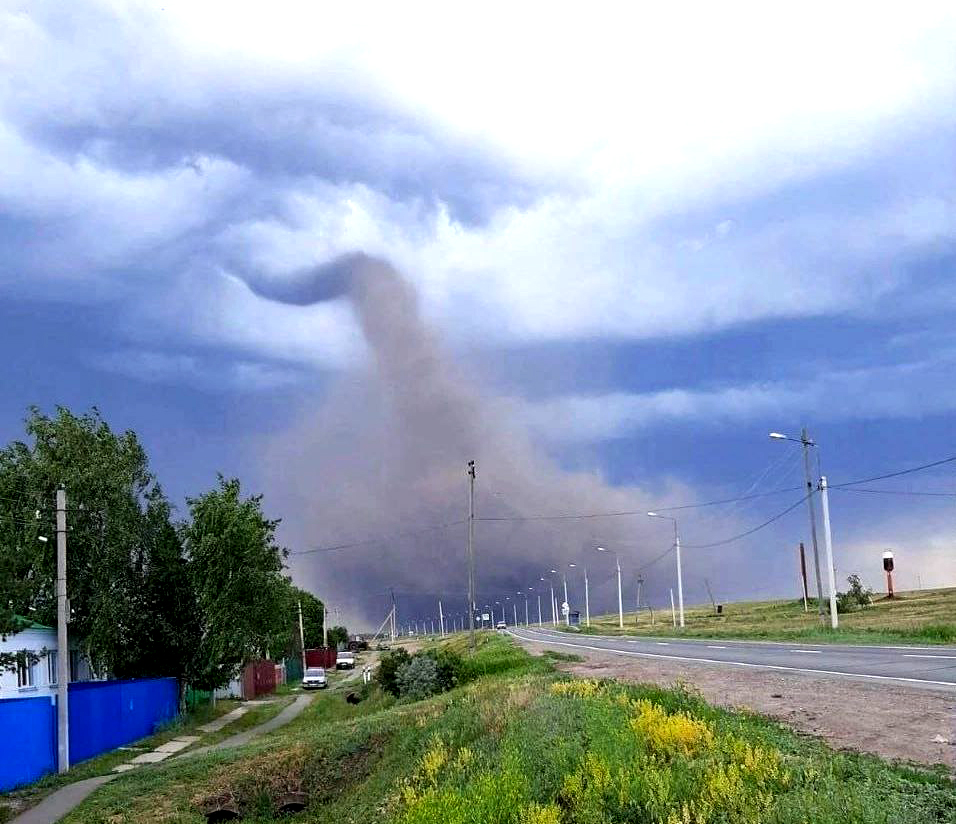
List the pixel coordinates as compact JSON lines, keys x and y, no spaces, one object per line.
{"x":803,"y":576}
{"x":325,"y":625}
{"x":640,"y":590}
{"x":526,"y":610}
{"x":620,"y":595}
{"x":587,"y":599}
{"x":807,"y":443}
{"x":567,"y":615}
{"x":539,"y":610}
{"x":680,"y":578}
{"x":471,"y":553}
{"x":673,"y":614}
{"x":441,"y":619}
{"x":515,"y":605}
{"x":302,"y":638}
{"x":828,"y":539}
{"x":62,"y":640}
{"x":710,"y":595}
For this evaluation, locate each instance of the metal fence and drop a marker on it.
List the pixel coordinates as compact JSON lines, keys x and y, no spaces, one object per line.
{"x":104,"y":715}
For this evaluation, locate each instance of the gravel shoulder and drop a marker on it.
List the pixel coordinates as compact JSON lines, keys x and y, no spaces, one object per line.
{"x":892,"y":721}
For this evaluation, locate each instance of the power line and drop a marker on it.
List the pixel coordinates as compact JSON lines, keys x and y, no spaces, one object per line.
{"x":766,"y":523}
{"x":729,"y":500}
{"x":896,"y":492}
{"x":896,"y":474}
{"x":403,"y":534}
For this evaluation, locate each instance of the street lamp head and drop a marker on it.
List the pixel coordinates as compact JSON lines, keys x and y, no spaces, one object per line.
{"x":653,"y":515}
{"x":542,"y":579}
{"x":779,"y":436}
{"x":554,"y":571}
{"x":601,"y":549}
{"x":572,"y":566}
{"x":42,"y":539}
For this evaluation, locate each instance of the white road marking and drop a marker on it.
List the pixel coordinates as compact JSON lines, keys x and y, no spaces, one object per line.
{"x":810,"y":651}
{"x":659,"y":643}
{"x":949,"y":684}
{"x":944,"y":657}
{"x":747,"y":642}
{"x":709,"y":646}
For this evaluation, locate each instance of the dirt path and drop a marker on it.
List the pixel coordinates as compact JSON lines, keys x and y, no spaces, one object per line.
{"x":892,"y":721}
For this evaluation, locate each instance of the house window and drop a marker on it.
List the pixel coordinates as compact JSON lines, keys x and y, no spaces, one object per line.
{"x":26,"y":674}
{"x":51,"y":667}
{"x":74,"y":665}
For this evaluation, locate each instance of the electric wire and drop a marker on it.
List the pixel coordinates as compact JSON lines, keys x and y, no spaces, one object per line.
{"x":403,"y":534}
{"x":757,"y":528}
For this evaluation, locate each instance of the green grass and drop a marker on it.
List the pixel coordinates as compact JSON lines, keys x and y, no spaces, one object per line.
{"x":518,"y":745}
{"x":185,"y":724}
{"x":925,"y":617}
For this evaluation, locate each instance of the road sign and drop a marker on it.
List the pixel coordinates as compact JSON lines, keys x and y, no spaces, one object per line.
{"x":565,"y":608}
{"x":485,"y":616}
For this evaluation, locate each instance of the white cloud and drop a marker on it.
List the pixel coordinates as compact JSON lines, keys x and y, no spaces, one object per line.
{"x":908,"y":390}
{"x":166,"y":143}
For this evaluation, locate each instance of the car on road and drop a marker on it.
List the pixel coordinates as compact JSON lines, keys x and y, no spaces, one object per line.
{"x":314,"y":679}
{"x":501,"y":625}
{"x":345,"y":659}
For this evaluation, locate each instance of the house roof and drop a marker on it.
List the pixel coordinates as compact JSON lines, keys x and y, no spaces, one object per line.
{"x":31,"y":624}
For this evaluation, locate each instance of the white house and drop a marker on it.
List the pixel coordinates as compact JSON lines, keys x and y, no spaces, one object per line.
{"x":38,"y":678}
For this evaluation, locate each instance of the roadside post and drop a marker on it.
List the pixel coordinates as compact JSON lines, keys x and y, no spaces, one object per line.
{"x":888,"y":568}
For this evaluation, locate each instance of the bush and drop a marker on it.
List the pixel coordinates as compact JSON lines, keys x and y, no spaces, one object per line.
{"x":856,"y":597}
{"x":450,"y":666}
{"x":418,"y":678}
{"x":388,"y":669}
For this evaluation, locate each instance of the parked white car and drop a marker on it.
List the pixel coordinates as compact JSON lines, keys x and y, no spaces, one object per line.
{"x":345,"y":659}
{"x":314,"y":679}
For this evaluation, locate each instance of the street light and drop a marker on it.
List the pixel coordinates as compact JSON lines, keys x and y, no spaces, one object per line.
{"x":806,"y":442}
{"x":567,"y":604}
{"x":532,"y":589}
{"x":680,"y":577}
{"x":587,"y":596}
{"x":526,"y":621}
{"x":554,"y":615}
{"x":620,"y":598}
{"x":502,"y":611}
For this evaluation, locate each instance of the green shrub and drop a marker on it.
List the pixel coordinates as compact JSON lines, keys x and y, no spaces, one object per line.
{"x":418,"y":678}
{"x":450,"y":665}
{"x":388,"y":669}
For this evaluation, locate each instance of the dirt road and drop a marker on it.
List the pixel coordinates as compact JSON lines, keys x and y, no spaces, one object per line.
{"x":892,"y":721}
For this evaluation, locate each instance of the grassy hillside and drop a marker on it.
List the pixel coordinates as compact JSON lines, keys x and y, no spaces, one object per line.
{"x":925,"y":617}
{"x":523,"y":745}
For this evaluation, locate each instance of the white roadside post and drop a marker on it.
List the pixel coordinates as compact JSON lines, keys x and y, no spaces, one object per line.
{"x":828,"y":539}
{"x":673,"y":614}
{"x":620,"y":596}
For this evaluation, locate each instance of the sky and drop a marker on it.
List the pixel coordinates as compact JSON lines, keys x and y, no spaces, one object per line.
{"x":638,"y":239}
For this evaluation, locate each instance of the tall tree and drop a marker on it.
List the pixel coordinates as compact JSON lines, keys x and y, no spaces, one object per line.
{"x":313,"y":618}
{"x":118,"y":534}
{"x":236,"y":569}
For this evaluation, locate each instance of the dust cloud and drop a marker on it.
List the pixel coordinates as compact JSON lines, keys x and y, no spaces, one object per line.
{"x":383,"y":455}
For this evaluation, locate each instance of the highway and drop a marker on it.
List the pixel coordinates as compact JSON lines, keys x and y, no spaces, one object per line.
{"x":926,"y":667}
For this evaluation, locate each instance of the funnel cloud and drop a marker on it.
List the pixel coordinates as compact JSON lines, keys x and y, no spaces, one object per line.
{"x":383,"y":455}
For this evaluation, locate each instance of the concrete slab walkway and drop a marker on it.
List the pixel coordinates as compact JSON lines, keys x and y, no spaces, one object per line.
{"x":56,"y":805}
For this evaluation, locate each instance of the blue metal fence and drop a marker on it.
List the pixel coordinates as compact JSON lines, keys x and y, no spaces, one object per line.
{"x":104,"y":715}
{"x":27,"y":740}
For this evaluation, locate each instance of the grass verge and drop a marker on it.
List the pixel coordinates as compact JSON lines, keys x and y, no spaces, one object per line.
{"x":925,"y":617}
{"x":522,"y":745}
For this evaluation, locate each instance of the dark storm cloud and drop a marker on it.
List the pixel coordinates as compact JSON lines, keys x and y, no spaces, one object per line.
{"x":111,"y":89}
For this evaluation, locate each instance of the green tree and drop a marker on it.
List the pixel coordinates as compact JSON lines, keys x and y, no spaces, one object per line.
{"x":119,"y":539}
{"x":313,"y":618}
{"x":236,"y":570}
{"x":338,"y":635}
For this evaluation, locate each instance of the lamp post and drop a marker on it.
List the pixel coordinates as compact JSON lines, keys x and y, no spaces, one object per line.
{"x":806,"y":442}
{"x":680,"y":577}
{"x":539,"y":608}
{"x":554,"y":615}
{"x":567,"y":615}
{"x":507,"y":598}
{"x":526,"y":621}
{"x":502,"y":610}
{"x":620,"y":597}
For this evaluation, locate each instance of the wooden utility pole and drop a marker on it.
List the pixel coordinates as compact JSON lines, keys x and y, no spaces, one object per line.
{"x":803,"y":576}
{"x":471,"y":554}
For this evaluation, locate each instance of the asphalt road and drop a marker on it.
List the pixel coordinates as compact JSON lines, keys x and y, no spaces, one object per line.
{"x":928,"y":667}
